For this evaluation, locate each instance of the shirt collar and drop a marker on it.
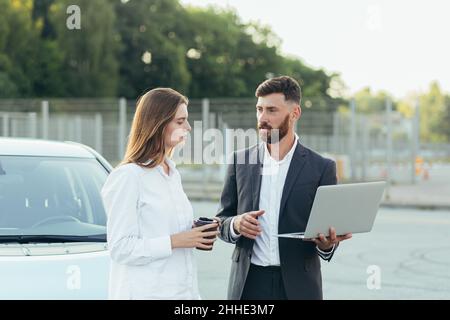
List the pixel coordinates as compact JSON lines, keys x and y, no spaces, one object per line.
{"x":170,"y":163}
{"x":287,"y":157}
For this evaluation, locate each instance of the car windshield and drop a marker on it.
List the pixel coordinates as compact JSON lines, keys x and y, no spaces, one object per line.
{"x":49,"y":196}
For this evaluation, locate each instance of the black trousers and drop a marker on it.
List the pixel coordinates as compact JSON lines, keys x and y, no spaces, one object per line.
{"x":264,"y":283}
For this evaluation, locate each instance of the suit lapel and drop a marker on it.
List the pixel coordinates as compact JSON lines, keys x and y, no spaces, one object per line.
{"x":297,"y":163}
{"x":255,"y":174}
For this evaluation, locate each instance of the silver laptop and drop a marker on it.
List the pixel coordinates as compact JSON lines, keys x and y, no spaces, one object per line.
{"x":349,"y":208}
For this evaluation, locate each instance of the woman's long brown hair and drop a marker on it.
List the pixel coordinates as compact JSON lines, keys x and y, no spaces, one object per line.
{"x":154,"y":111}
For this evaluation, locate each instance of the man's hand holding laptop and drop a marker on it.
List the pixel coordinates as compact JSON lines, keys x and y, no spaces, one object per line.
{"x":247,"y":225}
{"x":326,"y":243}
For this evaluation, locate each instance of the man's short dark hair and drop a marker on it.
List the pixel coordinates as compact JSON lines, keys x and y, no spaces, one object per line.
{"x":288,"y":86}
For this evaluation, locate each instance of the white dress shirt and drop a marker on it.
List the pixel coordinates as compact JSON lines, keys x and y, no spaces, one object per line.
{"x":144,"y":207}
{"x":265,"y":249}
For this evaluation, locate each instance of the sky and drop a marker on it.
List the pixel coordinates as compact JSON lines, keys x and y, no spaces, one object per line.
{"x":397,"y":46}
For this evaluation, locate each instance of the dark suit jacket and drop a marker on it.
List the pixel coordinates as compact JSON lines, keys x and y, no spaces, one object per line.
{"x":300,"y":263}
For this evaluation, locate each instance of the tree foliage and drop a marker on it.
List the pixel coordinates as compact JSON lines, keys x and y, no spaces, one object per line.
{"x":126,"y":47}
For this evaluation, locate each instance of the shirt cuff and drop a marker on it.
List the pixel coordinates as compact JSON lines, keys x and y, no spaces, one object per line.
{"x":159,"y":248}
{"x":325,"y":254}
{"x":234,"y":235}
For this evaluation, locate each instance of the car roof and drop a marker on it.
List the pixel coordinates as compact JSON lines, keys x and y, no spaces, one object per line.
{"x":44,"y":148}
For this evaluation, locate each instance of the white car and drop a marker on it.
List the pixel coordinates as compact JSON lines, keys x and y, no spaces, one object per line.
{"x":52,"y":221}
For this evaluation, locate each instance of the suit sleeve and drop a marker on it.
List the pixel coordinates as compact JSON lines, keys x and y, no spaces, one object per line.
{"x":328,"y":178}
{"x":228,"y":203}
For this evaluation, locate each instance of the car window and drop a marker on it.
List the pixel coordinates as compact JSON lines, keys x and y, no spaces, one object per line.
{"x":49,"y":195}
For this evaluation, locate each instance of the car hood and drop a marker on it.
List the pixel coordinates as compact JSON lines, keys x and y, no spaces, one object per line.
{"x":54,"y":271}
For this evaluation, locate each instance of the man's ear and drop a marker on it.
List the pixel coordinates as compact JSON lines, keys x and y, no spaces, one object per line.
{"x":296,"y":112}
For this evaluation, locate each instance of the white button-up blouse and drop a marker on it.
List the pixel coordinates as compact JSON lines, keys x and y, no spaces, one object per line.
{"x":144,"y":207}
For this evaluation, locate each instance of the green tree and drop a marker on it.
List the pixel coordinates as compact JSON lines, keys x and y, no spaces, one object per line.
{"x":126,"y":47}
{"x":230,"y":58}
{"x":90,"y":53}
{"x":446,"y":119}
{"x":212,"y":38}
{"x":315,"y":84}
{"x":17,"y":40}
{"x":258,"y":52}
{"x":151,"y":54}
{"x":432,"y":115}
{"x":41,"y":15}
{"x":49,"y":67}
{"x":368,"y":102}
{"x":50,"y":79}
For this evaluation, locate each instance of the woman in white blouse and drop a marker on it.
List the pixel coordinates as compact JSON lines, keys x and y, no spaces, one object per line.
{"x":149,"y":228}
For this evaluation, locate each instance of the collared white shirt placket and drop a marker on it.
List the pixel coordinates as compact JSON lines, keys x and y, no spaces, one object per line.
{"x":266,"y":249}
{"x":274,"y":196}
{"x":183,"y":218}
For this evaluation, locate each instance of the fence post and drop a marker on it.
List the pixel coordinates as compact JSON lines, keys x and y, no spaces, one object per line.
{"x":5,"y":124}
{"x":224,"y":164}
{"x":388,"y":146}
{"x":365,"y":146}
{"x":122,"y":127}
{"x":78,"y":129}
{"x":353,"y":140}
{"x":32,"y":116}
{"x":205,"y":125}
{"x":61,"y":126}
{"x":14,"y":132}
{"x":335,"y":139}
{"x":45,"y":119}
{"x":205,"y":114}
{"x":415,"y":137}
{"x":99,"y":133}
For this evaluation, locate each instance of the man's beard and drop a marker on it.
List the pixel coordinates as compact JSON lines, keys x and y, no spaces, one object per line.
{"x":282,"y":131}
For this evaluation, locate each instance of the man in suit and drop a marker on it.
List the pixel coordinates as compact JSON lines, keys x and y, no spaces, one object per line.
{"x":269,"y":190}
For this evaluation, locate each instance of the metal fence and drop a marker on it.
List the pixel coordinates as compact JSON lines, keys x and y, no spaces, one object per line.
{"x":366,"y":146}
